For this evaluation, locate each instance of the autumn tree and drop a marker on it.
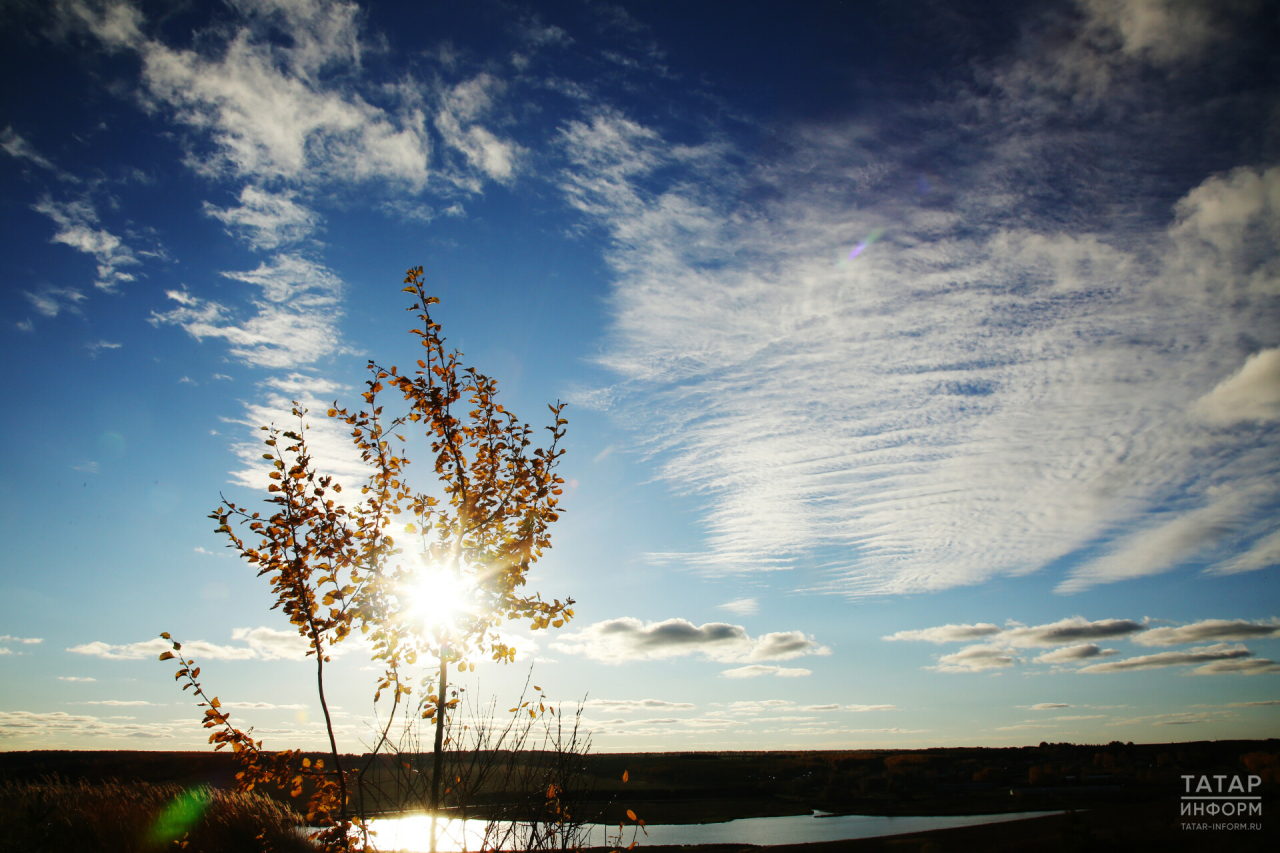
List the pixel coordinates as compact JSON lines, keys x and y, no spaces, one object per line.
{"x":420,"y":575}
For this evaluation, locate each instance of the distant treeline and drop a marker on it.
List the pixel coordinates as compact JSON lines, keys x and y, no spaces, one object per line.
{"x":704,"y":786}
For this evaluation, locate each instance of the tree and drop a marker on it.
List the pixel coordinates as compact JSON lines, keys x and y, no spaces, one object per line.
{"x":337,"y":567}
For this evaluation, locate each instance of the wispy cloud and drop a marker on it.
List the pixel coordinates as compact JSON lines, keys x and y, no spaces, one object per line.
{"x":1073,"y":654}
{"x":77,"y":223}
{"x":758,"y":670}
{"x":262,"y":643}
{"x":26,"y":641}
{"x":18,"y":148}
{"x":1251,"y":394}
{"x":1203,"y":655}
{"x":742,"y":606}
{"x":638,"y":704}
{"x":947,"y":633}
{"x":1058,"y":633}
{"x":58,"y":726}
{"x":296,"y":310}
{"x":1004,"y":379}
{"x":95,"y":347}
{"x":1210,"y":629}
{"x":265,"y":219}
{"x":976,"y":659}
{"x":51,"y":301}
{"x":151,"y":649}
{"x":328,"y":440}
{"x":628,"y":638}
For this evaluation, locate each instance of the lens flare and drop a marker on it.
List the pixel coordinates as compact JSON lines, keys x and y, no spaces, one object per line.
{"x":180,"y":816}
{"x":438,"y":598}
{"x":861,"y":247}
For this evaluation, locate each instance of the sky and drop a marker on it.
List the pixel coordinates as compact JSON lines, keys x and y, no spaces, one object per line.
{"x":922,"y":360}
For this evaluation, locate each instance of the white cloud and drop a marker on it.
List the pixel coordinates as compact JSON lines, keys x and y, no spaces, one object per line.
{"x":265,"y":219}
{"x":151,"y":650}
{"x":1073,"y":654}
{"x":756,"y":706}
{"x":77,"y":221}
{"x":50,"y":301}
{"x":483,"y":150}
{"x":757,"y":670}
{"x":59,"y":725}
{"x":270,"y":644}
{"x":1058,"y":633}
{"x":1210,"y":629}
{"x":1002,"y":381}
{"x":864,"y":708}
{"x":95,"y":347}
{"x":628,"y":638}
{"x":328,"y":440}
{"x":1049,"y":706}
{"x":26,"y":641}
{"x":947,"y":633}
{"x":1067,"y":630}
{"x":1199,"y":655}
{"x":1173,"y":537}
{"x":1250,"y":394}
{"x":118,"y":702}
{"x":1164,"y":32}
{"x":75,"y":678}
{"x":1249,"y":666}
{"x":295,"y":321}
{"x":18,"y":148}
{"x":298,"y":109}
{"x":638,"y":704}
{"x":741,"y":606}
{"x":976,"y":659}
{"x":274,"y":109}
{"x":262,"y":643}
{"x":1262,"y":554}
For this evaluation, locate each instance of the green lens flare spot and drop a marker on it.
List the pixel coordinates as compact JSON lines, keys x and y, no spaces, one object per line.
{"x":180,"y":815}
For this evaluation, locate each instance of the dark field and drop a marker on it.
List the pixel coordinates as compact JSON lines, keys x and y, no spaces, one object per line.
{"x":1120,"y":796}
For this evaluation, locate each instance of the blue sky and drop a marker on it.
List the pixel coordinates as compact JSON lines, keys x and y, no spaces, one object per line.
{"x":923,"y":367}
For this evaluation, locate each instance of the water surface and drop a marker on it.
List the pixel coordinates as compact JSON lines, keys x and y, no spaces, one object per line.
{"x":411,"y":834}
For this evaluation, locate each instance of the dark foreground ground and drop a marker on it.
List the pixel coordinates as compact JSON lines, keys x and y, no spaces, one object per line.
{"x":1119,"y":796}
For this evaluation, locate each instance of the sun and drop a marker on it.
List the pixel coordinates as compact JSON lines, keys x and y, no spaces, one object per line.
{"x":438,"y":598}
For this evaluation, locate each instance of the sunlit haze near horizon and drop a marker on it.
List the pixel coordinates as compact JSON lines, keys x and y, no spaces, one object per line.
{"x":922,"y":363}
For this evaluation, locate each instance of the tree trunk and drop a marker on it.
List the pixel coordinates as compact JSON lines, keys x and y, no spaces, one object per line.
{"x":438,"y":756}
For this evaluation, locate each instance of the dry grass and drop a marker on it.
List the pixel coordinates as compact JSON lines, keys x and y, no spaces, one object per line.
{"x":136,"y":817}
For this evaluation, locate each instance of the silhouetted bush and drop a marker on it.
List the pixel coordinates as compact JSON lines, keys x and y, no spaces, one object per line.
{"x":135,"y":817}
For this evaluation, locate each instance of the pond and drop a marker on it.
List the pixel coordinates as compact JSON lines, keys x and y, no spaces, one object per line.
{"x":411,"y":833}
